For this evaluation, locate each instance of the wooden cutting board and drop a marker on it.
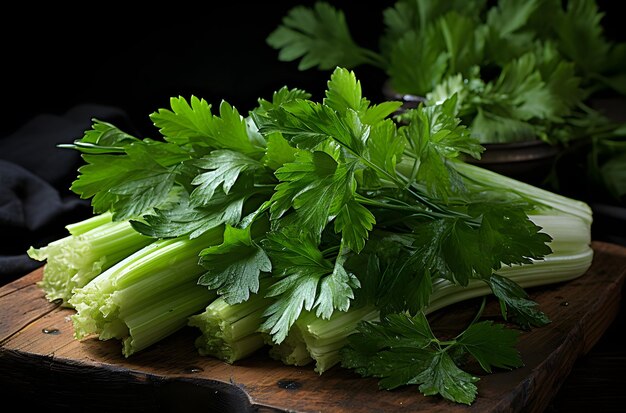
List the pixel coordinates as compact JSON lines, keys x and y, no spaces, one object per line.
{"x":42,"y":364}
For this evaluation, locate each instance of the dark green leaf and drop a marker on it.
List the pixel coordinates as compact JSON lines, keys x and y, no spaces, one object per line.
{"x":336,"y":290}
{"x":493,"y":345}
{"x":318,"y":36}
{"x":416,"y":62}
{"x":233,"y":267}
{"x":445,"y":378}
{"x":307,"y":281}
{"x":225,"y":166}
{"x":354,"y":221}
{"x":281,"y":96}
{"x":513,"y":298}
{"x":128,"y":185}
{"x":195,"y":124}
{"x":402,"y":350}
{"x":185,"y":218}
{"x":384,"y":147}
{"x":316,"y":186}
{"x":278,"y":152}
{"x":186,"y":122}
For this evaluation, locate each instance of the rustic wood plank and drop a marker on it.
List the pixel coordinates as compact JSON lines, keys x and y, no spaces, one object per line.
{"x":22,"y":302}
{"x":40,"y":358}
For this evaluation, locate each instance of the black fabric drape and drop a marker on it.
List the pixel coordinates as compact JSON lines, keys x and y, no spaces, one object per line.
{"x":36,"y":202}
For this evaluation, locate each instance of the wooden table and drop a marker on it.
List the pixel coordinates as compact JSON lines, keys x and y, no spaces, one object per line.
{"x":43,"y":366}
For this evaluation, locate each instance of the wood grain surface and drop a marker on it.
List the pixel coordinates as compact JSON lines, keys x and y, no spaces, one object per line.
{"x":42,"y":363}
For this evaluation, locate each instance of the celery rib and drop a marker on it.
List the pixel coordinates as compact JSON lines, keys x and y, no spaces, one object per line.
{"x":230,"y":332}
{"x":93,"y":246}
{"x":146,"y":296}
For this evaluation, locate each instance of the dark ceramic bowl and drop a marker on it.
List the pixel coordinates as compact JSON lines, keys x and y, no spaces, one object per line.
{"x":527,"y":161}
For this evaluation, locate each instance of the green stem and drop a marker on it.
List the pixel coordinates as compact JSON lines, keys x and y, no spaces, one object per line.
{"x":88,"y":224}
{"x":230,"y":332}
{"x":125,"y":301}
{"x":159,"y":320}
{"x":73,"y":261}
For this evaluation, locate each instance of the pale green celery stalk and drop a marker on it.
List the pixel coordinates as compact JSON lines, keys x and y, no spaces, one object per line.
{"x":157,"y":321}
{"x":230,"y":332}
{"x":545,"y":198}
{"x":159,"y":280}
{"x":571,"y":257}
{"x":570,"y":233}
{"x":93,"y":245}
{"x":292,"y":350}
{"x":552,"y":270}
{"x":90,"y":223}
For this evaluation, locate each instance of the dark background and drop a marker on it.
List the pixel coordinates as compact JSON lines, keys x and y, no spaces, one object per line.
{"x":137,"y":59}
{"x":54,"y":59}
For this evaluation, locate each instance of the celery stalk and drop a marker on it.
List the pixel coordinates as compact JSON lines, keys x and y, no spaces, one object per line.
{"x":230,"y":331}
{"x":158,"y":320}
{"x":93,"y":246}
{"x":317,"y":340}
{"x":80,"y":227}
{"x":553,"y":269}
{"x":146,"y":296}
{"x":547,"y":199}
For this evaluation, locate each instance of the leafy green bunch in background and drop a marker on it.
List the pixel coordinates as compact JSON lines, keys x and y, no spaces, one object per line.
{"x":521,"y":71}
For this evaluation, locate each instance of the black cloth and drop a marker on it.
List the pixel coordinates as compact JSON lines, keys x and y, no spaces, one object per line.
{"x":36,"y":202}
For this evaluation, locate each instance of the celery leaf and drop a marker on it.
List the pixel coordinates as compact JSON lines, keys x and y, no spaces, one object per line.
{"x":315,"y":186}
{"x":305,"y":280}
{"x":354,"y":221}
{"x":515,"y":300}
{"x":233,"y":267}
{"x":402,"y":350}
{"x":194,"y":124}
{"x":479,"y":339}
{"x":127,"y":185}
{"x":318,"y":36}
{"x":224,"y":167}
{"x":186,"y":218}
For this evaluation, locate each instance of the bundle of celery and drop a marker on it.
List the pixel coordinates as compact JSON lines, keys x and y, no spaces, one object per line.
{"x":306,"y":224}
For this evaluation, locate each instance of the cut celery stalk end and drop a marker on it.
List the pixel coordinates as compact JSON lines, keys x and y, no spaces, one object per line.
{"x":230,"y":351}
{"x":291,"y":351}
{"x":313,"y":339}
{"x":230,"y":332}
{"x":162,"y":318}
{"x":93,"y":246}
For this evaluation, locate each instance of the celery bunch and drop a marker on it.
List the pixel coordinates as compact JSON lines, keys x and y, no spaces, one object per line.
{"x":315,"y":227}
